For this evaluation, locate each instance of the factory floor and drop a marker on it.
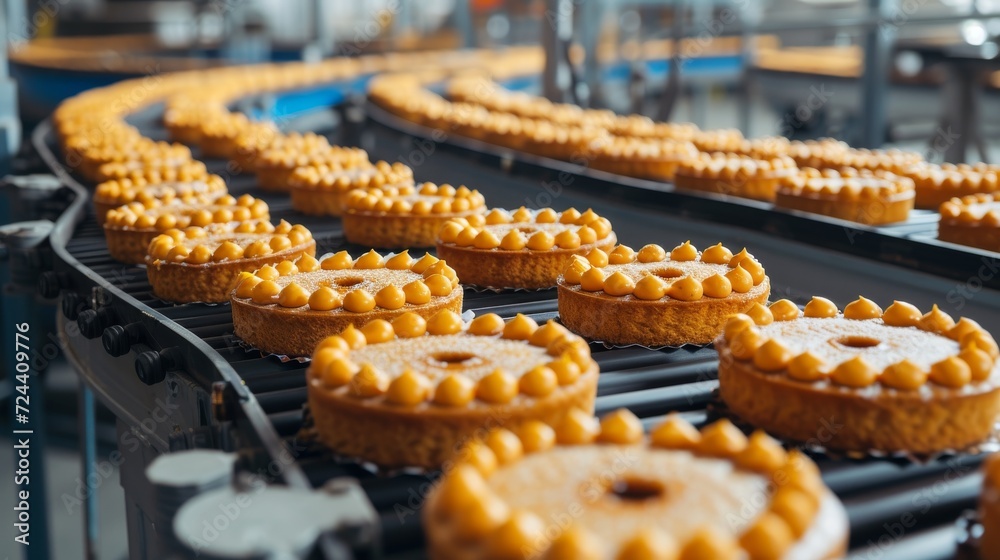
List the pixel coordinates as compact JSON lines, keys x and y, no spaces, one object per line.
{"x":63,"y":476}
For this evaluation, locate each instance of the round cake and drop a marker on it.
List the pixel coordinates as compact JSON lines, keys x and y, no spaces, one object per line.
{"x":203,"y":264}
{"x":92,"y":160}
{"x":583,"y":490}
{"x":989,"y":509}
{"x":972,"y":220}
{"x":290,"y":307}
{"x":645,"y":158}
{"x":861,"y":380}
{"x":830,"y":154}
{"x":321,"y":189}
{"x":734,"y":175}
{"x":413,"y":391}
{"x":937,"y":184}
{"x":865,"y":196}
{"x":275,"y":167}
{"x":130,"y":228}
{"x":659,"y":298}
{"x":523,"y":249}
{"x":405,"y":216}
{"x":112,"y":194}
{"x":155,"y":171}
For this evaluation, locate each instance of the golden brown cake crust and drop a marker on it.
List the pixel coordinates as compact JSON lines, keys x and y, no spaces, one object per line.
{"x":972,"y":220}
{"x":668,"y":322}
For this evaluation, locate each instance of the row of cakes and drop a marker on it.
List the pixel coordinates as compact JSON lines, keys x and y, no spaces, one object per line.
{"x":494,"y":517}
{"x":823,"y":177}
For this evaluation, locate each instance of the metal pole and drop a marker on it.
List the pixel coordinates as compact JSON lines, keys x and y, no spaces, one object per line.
{"x":557,"y":30}
{"x":463,"y":21}
{"x":88,"y":449}
{"x":875,"y":79}
{"x":590,"y":35}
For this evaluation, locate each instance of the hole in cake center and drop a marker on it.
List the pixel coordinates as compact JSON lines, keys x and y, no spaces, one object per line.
{"x":348,"y":282}
{"x":455,"y":360}
{"x":857,"y":341}
{"x":634,"y":489}
{"x":669,"y":273}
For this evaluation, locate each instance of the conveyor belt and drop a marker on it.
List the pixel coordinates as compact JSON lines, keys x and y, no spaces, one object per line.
{"x":877,"y":493}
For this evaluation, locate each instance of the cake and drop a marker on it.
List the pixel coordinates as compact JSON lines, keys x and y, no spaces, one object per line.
{"x":220,"y":135}
{"x":972,"y":220}
{"x":989,"y":509}
{"x":865,"y":196}
{"x":639,"y":126}
{"x":657,"y":298}
{"x":892,"y":381}
{"x":588,"y":490}
{"x":152,"y":171}
{"x":830,"y":154}
{"x":112,"y":194}
{"x":937,"y":184}
{"x":645,"y":158}
{"x":524,"y":249}
{"x":322,"y":189}
{"x":412,"y":391}
{"x":91,"y":160}
{"x":202,"y":264}
{"x":290,"y":307}
{"x":130,"y":228}
{"x":276,"y":166}
{"x":405,"y":216}
{"x":735,"y":175}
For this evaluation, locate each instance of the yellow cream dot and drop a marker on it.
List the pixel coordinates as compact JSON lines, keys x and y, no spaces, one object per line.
{"x":795,"y":507}
{"x":597,"y":257}
{"x":354,"y":337}
{"x":772,"y":356}
{"x":820,"y":307}
{"x":368,"y":382}
{"x":279,"y":243}
{"x":861,"y":309}
{"x":621,"y":254}
{"x":904,"y":375}
{"x":505,"y":445}
{"x":522,"y":214}
{"x":265,"y":292}
{"x":409,"y":389}
{"x":539,"y":381}
{"x":499,"y":387}
{"x":244,"y":288}
{"x":497,"y":216}
{"x":409,"y":325}
{"x":717,"y":254}
{"x":439,"y":285}
{"x":651,"y":253}
{"x":390,"y":297}
{"x":358,"y":301}
{"x":481,"y":517}
{"x":267,"y":272}
{"x":736,"y":324}
{"x":514,"y":240}
{"x":769,"y":537}
{"x":760,"y":314}
{"x":807,"y":367}
{"x":755,"y":269}
{"x":307,"y":263}
{"x":901,"y":314}
{"x":520,"y":327}
{"x":856,"y":372}
{"x":178,"y":253}
{"x":587,"y":235}
{"x":716,"y":286}
{"x":575,"y":544}
{"x":601,"y":226}
{"x":339,"y":261}
{"x":951,"y":372}
{"x":566,"y":370}
{"x":369,"y":260}
{"x":762,"y":454}
{"x":618,"y":284}
{"x":199,"y":255}
{"x":339,"y":372}
{"x":620,"y":426}
{"x":710,"y":543}
{"x":547,"y":333}
{"x":721,"y":439}
{"x":568,"y":240}
{"x":577,"y":428}
{"x":675,"y":433}
{"x":486,"y":325}
{"x":684,"y":252}
{"x":402,"y":261}
{"x":486,"y":240}
{"x":455,"y":390}
{"x":650,"y":287}
{"x":784,"y":310}
{"x":286,"y":268}
{"x":740,"y":279}
{"x":324,"y":299}
{"x":745,"y":344}
{"x":980,"y":363}
{"x":467,"y":237}
{"x":686,"y":289}
{"x":546,"y":216}
{"x":443,"y":322}
{"x":649,"y":544}
{"x":575,"y":270}
{"x":417,"y":293}
{"x":936,"y":321}
{"x":541,"y":241}
{"x":293,"y":295}
{"x":536,"y":436}
{"x":592,"y":280}
{"x":378,"y":331}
